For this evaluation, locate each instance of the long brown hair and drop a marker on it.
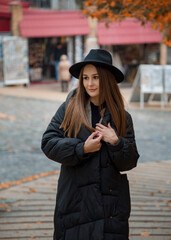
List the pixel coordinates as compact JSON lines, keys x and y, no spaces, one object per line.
{"x":109,"y":93}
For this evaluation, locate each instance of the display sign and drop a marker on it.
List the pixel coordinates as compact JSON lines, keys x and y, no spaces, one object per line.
{"x":149,"y":80}
{"x":15,"y":60}
{"x":151,"y":77}
{"x":167,"y":78}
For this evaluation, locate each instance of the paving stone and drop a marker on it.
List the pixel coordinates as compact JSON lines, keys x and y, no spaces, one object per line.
{"x":20,"y":138}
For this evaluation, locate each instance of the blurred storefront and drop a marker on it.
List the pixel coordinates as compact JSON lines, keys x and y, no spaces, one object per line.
{"x":48,"y":29}
{"x":131,"y":45}
{"x":43,"y":52}
{"x":44,"y":30}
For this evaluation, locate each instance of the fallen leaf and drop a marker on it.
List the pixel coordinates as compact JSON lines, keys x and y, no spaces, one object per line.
{"x":38,"y":222}
{"x":161,"y":191}
{"x":32,"y":190}
{"x":145,"y":234}
{"x":5,"y":116}
{"x":5,"y":206}
{"x":27,"y":225}
{"x":151,"y":194}
{"x":29,"y":178}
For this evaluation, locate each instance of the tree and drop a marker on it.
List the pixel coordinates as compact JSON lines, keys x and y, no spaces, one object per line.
{"x":158,"y":12}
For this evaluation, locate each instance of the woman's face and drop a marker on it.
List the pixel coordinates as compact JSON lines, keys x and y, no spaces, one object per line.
{"x":91,"y":82}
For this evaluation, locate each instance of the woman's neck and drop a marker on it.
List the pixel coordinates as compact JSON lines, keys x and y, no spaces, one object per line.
{"x":95,"y":101}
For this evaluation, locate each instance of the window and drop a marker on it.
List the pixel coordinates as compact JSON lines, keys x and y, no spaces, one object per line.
{"x":39,"y":3}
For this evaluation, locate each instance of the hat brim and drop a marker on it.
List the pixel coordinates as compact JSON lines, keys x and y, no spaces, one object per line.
{"x":75,"y":69}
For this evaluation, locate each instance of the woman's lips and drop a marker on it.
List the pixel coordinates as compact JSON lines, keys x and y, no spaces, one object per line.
{"x":92,"y":90}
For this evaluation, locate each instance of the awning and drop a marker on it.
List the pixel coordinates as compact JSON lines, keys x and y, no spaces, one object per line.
{"x":37,"y":23}
{"x":4,"y":11}
{"x":129,"y":31}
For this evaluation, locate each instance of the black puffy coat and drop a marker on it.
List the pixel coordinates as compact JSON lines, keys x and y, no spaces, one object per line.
{"x":93,"y":201}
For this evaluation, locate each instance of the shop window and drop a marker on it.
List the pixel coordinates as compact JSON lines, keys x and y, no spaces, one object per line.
{"x":39,"y":3}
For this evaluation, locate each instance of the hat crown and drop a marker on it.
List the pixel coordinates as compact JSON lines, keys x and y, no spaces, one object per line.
{"x":99,"y":55}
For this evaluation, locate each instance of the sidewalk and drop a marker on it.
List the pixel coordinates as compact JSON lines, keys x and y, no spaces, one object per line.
{"x":53,"y":92}
{"x":27,"y":212}
{"x":26,"y":209}
{"x":43,"y":91}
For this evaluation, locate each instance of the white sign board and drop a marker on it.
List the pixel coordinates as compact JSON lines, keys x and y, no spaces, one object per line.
{"x":167,"y":78}
{"x":151,"y":78}
{"x":15,"y":60}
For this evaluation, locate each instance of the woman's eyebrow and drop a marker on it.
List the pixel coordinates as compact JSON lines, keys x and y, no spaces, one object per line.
{"x":84,"y":74}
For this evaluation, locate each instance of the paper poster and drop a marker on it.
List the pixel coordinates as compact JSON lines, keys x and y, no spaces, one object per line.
{"x":15,"y":60}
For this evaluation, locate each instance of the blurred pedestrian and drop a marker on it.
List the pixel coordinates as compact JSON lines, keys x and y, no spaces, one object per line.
{"x":64,"y":74}
{"x":92,"y":136}
{"x":59,"y":50}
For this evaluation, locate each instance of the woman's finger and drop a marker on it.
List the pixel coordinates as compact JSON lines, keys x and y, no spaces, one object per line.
{"x":99,"y":129}
{"x":92,"y":135}
{"x":100,"y":125}
{"x":99,"y":137}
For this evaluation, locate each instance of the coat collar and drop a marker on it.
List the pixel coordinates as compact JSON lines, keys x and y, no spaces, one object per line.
{"x":106,"y":116}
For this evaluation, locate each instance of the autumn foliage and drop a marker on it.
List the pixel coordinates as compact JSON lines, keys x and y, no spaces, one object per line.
{"x":158,"y":12}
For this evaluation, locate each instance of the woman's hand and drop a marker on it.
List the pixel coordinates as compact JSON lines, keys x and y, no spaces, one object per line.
{"x":93,"y":144}
{"x":108,"y":133}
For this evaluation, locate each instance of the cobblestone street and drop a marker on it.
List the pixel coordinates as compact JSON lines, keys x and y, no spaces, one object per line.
{"x":26,"y":119}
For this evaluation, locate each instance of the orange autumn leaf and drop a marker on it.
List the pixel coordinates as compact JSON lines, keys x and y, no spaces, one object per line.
{"x":32,"y":190}
{"x":27,"y":225}
{"x":5,"y":206}
{"x":112,"y":4}
{"x":5,"y":116}
{"x":88,"y":3}
{"x":145,"y":234}
{"x":85,"y":11}
{"x":29,"y":178}
{"x":157,"y":12}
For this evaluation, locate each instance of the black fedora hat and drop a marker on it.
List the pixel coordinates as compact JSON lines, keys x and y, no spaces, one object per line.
{"x":97,"y":57}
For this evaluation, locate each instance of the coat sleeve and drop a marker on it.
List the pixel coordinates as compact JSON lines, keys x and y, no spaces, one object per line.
{"x":124,"y":154}
{"x":67,"y":151}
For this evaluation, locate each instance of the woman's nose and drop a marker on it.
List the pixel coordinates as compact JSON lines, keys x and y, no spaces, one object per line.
{"x":90,"y":82}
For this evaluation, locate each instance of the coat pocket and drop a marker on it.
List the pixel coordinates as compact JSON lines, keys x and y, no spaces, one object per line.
{"x":110,"y":206}
{"x":124,"y":203}
{"x":91,"y":204}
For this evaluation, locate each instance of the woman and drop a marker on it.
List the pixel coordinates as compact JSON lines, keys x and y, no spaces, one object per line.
{"x":64,"y":75}
{"x":92,"y":136}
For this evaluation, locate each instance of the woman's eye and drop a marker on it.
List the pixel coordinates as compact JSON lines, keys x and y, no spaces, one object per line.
{"x":85,"y":78}
{"x":96,"y":77}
